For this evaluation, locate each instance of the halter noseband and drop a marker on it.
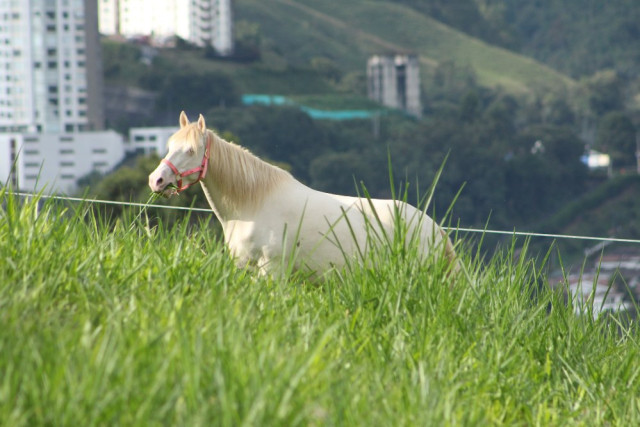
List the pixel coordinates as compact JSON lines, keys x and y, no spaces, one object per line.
{"x":202,"y":168}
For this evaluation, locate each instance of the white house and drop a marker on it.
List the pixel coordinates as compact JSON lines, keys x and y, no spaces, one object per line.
{"x":149,"y":140}
{"x":53,"y":162}
{"x":596,"y":160}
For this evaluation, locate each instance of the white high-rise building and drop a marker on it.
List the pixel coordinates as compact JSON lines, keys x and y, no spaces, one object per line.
{"x":50,"y":66}
{"x":394,"y":81}
{"x":202,"y":22}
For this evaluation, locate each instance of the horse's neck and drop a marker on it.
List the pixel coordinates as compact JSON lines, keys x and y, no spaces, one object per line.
{"x":237,"y":182}
{"x":221,"y":211}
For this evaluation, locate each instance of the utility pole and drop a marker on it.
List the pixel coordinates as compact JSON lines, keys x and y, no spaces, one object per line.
{"x":375,"y":120}
{"x":638,"y":152}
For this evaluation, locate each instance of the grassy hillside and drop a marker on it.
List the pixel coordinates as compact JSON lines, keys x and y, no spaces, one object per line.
{"x":272,"y":74}
{"x":132,"y":325}
{"x":349,"y":32}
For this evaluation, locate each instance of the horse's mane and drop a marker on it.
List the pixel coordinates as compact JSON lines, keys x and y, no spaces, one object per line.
{"x":242,"y":178}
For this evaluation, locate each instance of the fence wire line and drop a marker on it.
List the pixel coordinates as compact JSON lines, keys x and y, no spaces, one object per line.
{"x":452,"y":229}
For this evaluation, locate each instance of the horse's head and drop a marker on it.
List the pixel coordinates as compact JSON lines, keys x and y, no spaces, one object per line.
{"x":187,"y":159}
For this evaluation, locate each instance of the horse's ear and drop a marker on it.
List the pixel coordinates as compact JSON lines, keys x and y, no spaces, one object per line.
{"x":184,"y":120}
{"x":201,"y":124}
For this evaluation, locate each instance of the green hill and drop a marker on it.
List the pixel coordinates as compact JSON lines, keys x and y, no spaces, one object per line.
{"x":349,"y":32}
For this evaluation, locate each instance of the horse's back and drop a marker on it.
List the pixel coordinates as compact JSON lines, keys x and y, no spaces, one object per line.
{"x":326,"y":230}
{"x":380,"y":219}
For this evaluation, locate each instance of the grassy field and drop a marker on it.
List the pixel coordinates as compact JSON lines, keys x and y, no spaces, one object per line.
{"x":126,"y":324}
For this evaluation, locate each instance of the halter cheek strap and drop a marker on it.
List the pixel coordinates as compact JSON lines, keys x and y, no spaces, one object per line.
{"x":202,"y":169}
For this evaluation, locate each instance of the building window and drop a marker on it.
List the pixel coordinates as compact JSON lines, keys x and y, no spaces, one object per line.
{"x":99,"y":151}
{"x":66,"y":151}
{"x":67,"y":164}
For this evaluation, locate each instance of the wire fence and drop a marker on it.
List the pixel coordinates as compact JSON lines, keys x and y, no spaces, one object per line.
{"x":452,"y":229}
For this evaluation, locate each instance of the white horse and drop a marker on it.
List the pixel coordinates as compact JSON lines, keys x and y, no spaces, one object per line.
{"x":270,"y":219}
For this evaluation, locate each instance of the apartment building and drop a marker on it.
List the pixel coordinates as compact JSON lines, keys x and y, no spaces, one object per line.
{"x":394,"y":81}
{"x":202,"y":22}
{"x":50,"y":66}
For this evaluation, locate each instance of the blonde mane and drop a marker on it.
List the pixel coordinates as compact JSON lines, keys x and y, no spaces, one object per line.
{"x":242,"y":178}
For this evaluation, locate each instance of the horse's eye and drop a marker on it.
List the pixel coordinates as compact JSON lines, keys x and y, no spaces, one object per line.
{"x":191,"y":151}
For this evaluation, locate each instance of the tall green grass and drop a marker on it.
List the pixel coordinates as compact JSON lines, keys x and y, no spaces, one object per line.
{"x":104,"y":323}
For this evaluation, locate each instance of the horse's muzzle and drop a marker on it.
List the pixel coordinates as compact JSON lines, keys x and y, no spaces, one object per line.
{"x":162,"y":181}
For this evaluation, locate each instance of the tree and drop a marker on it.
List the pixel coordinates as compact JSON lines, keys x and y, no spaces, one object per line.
{"x":339,"y":172}
{"x":617,"y":137}
{"x":469,"y":107}
{"x":603,"y":92}
{"x":282,"y":134}
{"x":539,"y":181}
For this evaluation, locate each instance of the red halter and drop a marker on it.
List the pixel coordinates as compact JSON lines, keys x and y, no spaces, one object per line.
{"x":202,"y":168}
